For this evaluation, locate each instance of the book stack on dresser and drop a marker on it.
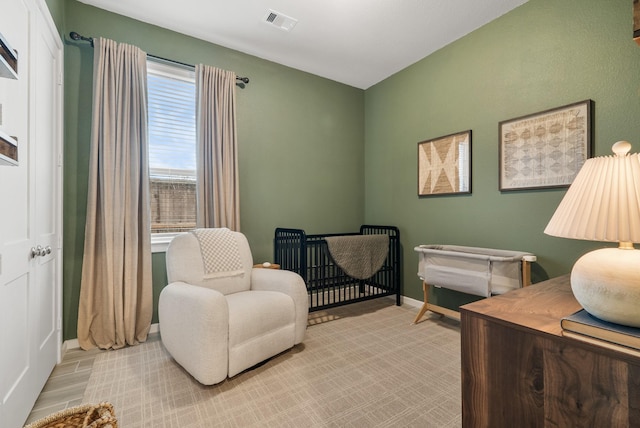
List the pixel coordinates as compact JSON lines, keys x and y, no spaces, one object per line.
{"x":583,"y":326}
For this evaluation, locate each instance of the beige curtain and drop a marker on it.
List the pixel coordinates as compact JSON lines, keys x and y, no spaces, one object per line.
{"x":217,"y":154}
{"x":116,"y":293}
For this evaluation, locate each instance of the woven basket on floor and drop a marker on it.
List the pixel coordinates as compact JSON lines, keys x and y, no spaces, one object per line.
{"x":84,"y":416}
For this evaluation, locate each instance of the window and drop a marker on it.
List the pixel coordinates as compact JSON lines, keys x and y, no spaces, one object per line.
{"x":172,"y":150}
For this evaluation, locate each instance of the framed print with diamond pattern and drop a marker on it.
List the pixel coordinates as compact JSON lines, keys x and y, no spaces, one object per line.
{"x":444,"y":165}
{"x":545,"y":149}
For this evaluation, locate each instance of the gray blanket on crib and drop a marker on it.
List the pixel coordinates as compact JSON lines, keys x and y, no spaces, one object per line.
{"x":360,"y":256}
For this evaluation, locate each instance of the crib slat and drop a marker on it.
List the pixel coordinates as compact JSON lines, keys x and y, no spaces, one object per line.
{"x":327,"y":284}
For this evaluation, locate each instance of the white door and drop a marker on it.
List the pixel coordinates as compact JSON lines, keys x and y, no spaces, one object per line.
{"x":46,"y":173}
{"x":30,"y":206}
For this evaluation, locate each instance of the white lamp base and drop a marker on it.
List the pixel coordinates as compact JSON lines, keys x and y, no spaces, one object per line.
{"x":606,"y":283}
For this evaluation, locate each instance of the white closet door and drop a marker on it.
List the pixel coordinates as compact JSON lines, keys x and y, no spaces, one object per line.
{"x":45,"y":187}
{"x":30,"y":207}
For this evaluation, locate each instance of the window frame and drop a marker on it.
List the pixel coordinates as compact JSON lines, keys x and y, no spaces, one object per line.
{"x":160,"y":241}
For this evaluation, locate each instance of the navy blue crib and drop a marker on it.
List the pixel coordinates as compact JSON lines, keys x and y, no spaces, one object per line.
{"x":327,"y":284}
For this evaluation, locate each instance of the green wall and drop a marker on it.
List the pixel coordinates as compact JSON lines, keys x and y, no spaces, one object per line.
{"x":300,"y":139}
{"x":326,"y":157}
{"x":57,"y":8}
{"x":544,"y":54}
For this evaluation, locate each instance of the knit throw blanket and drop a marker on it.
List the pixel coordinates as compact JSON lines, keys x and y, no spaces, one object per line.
{"x":360,"y":256}
{"x":220,"y":252}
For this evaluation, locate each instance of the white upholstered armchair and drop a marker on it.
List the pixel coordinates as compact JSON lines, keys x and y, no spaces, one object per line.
{"x":219,"y":315}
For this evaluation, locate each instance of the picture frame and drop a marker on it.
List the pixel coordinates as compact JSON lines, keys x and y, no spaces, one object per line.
{"x":636,"y":21}
{"x":545,"y":149}
{"x":444,"y":165}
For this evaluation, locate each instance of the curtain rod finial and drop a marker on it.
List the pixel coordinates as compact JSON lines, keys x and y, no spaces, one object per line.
{"x":75,"y":36}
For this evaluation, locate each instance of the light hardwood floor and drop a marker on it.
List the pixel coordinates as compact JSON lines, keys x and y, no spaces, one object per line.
{"x":65,"y":387}
{"x":68,"y":381}
{"x":67,"y":384}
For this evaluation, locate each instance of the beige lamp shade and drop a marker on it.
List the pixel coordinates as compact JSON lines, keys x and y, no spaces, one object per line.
{"x":603,"y":202}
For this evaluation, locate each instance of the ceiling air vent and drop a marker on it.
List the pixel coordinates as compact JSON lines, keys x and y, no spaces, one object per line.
{"x":280,"y":20}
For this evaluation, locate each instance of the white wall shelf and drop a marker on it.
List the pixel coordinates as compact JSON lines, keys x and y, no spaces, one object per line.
{"x":8,"y":150}
{"x":8,"y":60}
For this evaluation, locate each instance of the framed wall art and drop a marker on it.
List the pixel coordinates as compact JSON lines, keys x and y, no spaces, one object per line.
{"x":545,"y":149}
{"x":444,"y":165}
{"x":636,"y":21}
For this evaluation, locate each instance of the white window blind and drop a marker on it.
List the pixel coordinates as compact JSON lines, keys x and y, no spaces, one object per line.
{"x":172,"y":147}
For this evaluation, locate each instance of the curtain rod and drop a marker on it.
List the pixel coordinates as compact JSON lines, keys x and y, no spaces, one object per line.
{"x":75,"y":36}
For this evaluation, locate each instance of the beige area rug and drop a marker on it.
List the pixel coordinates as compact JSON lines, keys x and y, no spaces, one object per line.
{"x":362,"y":365}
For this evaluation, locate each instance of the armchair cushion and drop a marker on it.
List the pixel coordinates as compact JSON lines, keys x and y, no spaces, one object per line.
{"x":185,"y":263}
{"x":261,"y":324}
{"x":291,"y":284}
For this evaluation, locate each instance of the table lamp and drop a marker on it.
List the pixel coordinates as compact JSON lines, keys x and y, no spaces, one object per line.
{"x":603,"y":204}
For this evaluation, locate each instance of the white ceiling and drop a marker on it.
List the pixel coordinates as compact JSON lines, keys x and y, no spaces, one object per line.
{"x":356,"y":42}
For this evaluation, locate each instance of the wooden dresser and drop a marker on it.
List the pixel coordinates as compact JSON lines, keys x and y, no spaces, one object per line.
{"x":519,"y":371}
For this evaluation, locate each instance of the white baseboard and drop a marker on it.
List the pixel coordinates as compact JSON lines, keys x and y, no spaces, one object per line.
{"x":408,"y":301}
{"x":155,"y":328}
{"x":73,"y":343}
